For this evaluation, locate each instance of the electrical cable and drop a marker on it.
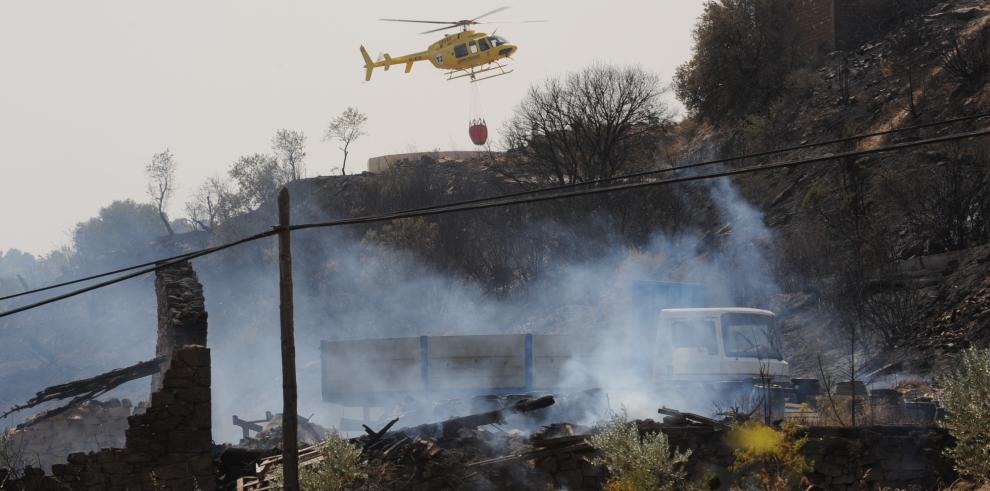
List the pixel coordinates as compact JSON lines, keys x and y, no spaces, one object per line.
{"x":571,"y":186}
{"x":466,"y":206}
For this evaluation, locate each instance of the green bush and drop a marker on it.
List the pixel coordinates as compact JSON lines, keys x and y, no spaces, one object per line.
{"x":743,"y":52}
{"x":966,"y":398}
{"x":340,"y":466}
{"x":637,"y":462}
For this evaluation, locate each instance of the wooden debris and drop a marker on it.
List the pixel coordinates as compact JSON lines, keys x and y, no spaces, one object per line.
{"x":432,"y":456}
{"x":449,"y":428}
{"x":691,"y":418}
{"x":86,"y":389}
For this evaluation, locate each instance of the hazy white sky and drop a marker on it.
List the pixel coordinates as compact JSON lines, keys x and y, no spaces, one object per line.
{"x":90,"y":90}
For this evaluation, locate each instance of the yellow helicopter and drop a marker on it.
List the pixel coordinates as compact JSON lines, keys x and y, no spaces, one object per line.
{"x":465,"y":54}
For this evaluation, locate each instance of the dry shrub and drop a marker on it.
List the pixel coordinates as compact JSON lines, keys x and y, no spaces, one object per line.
{"x":638,"y":462}
{"x":12,"y":458}
{"x":767,"y":458}
{"x":340,"y":467}
{"x":968,"y":60}
{"x":966,"y":398}
{"x":947,"y":206}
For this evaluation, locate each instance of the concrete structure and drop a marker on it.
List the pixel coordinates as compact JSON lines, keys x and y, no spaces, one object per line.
{"x":381,"y":164}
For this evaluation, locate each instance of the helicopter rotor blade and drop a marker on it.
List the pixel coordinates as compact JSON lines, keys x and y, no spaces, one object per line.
{"x":539,"y":21}
{"x":420,"y":21}
{"x":486,"y":14}
{"x":441,"y":29}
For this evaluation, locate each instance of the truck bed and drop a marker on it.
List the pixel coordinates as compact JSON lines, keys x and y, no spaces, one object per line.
{"x":375,"y":371}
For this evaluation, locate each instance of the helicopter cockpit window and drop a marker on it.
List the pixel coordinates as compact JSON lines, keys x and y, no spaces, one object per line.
{"x":497,"y":40}
{"x":473,"y":46}
{"x":460,"y":50}
{"x":483,"y":44}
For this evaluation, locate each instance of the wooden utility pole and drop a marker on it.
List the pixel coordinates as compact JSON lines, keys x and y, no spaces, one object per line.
{"x":290,"y":423}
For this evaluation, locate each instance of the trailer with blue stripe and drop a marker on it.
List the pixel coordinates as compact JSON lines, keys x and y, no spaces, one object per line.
{"x":664,"y":346}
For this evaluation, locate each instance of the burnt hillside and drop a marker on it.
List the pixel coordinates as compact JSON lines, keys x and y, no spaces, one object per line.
{"x":889,"y":247}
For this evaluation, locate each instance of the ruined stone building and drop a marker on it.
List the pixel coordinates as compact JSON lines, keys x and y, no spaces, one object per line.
{"x":829,"y":25}
{"x":164,"y":444}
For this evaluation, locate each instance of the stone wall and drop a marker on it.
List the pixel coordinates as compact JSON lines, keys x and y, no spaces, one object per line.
{"x":84,"y":428}
{"x":860,"y":21}
{"x":182,"y":318}
{"x":827,"y":25}
{"x":815,"y":21}
{"x":168,"y":447}
{"x":884,"y":457}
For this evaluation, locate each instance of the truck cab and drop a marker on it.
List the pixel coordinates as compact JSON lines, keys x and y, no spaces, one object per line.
{"x":724,"y":344}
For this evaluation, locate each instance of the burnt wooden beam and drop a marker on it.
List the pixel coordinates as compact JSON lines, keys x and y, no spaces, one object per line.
{"x":86,"y":389}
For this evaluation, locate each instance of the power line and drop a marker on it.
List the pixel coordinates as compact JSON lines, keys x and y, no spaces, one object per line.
{"x":638,"y":185}
{"x":567,"y":186}
{"x":135,"y":274}
{"x":712,"y":162}
{"x":467,"y":206}
{"x":93,"y":277}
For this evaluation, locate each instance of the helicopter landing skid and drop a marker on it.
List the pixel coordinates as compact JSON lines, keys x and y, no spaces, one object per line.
{"x":473,"y":73}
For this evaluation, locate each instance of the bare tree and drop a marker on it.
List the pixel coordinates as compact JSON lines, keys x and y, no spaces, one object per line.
{"x":591,"y":125}
{"x":212,"y":203}
{"x":161,"y":183}
{"x":346,"y":129}
{"x":290,"y":150}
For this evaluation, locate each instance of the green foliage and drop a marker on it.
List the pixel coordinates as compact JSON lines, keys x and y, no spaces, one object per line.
{"x":767,"y":458}
{"x":743,"y":51}
{"x":416,"y":234}
{"x":757,"y":129}
{"x":966,"y":399}
{"x":341,"y":466}
{"x":346,"y":129}
{"x":258,"y":177}
{"x":289,"y":148}
{"x":121,"y":228}
{"x":637,"y":462}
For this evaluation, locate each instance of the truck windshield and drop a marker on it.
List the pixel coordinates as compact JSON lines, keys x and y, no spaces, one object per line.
{"x":750,"y":336}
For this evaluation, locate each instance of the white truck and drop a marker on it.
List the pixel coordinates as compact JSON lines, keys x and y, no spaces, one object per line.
{"x":707,"y":355}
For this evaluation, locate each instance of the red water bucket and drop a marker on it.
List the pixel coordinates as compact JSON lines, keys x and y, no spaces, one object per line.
{"x":478,"y":131}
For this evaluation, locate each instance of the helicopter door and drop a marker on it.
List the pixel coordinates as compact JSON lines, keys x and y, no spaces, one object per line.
{"x":473,"y":47}
{"x":483,"y":44}
{"x":460,"y":50}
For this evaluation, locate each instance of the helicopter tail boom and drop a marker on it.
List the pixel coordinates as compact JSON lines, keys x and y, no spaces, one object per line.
{"x":387,"y":61}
